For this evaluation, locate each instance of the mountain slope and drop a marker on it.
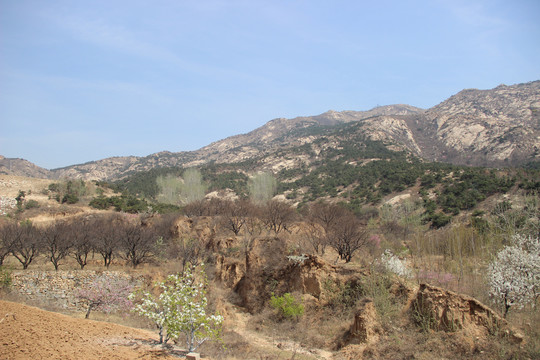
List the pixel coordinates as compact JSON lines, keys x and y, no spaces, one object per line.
{"x":497,"y":127}
{"x":21,"y":167}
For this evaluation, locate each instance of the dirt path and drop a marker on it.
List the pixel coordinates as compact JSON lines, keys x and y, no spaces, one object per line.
{"x":256,"y":339}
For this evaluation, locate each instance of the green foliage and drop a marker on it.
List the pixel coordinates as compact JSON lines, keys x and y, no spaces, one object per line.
{"x":68,"y":191}
{"x":144,"y":183}
{"x":287,"y":306}
{"x":5,"y":277}
{"x":221,"y":180}
{"x":422,"y":316}
{"x":124,"y":203}
{"x":170,"y":187}
{"x":20,"y":198}
{"x":342,"y":295}
{"x":262,"y":187}
{"x":70,"y":199}
{"x":193,"y":188}
{"x":161,"y":208}
{"x":387,"y":303}
{"x":438,"y":219}
{"x":31,"y":204}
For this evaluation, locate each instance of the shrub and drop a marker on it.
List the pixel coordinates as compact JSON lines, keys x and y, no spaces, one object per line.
{"x":31,"y":204}
{"x":5,"y":277}
{"x":70,"y":199}
{"x":287,"y":306}
{"x":342,"y":295}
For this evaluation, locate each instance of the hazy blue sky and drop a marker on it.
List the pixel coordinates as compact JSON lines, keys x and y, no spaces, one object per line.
{"x":85,"y":80}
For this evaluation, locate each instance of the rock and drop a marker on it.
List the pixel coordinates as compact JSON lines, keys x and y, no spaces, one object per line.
{"x":193,"y":356}
{"x":450,"y":311}
{"x":365,"y":328}
{"x":229,"y":271}
{"x":441,"y":309}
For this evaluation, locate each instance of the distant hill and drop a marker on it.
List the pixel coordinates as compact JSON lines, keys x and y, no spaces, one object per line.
{"x":21,"y":167}
{"x":497,"y":127}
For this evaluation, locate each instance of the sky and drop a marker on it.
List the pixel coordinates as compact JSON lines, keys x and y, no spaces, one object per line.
{"x":87,"y":80}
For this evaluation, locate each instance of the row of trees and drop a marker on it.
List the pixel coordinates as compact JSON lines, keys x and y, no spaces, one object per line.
{"x":141,"y":238}
{"x":324,"y":224}
{"x":136,"y":239}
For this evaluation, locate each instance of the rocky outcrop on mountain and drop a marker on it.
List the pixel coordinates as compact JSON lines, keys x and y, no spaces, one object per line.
{"x":489,"y":127}
{"x":497,"y":127}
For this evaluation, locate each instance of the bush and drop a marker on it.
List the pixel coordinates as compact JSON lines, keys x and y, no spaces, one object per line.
{"x":70,"y":199}
{"x":31,"y":204}
{"x":5,"y":277}
{"x":287,"y":306}
{"x":342,"y":295}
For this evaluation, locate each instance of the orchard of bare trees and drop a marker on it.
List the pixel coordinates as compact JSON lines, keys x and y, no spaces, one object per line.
{"x":135,"y":239}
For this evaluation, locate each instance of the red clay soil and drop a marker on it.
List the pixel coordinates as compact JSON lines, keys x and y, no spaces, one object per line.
{"x":27,"y":332}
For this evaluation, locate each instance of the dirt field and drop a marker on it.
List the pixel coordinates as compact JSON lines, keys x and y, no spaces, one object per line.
{"x":30,"y":333}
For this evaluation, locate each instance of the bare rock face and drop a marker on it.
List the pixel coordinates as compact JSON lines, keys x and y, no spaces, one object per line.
{"x":365,"y":327}
{"x":441,"y":309}
{"x":263,"y":262}
{"x":269,"y":270}
{"x":307,"y":276}
{"x":497,"y":126}
{"x":230,"y":271}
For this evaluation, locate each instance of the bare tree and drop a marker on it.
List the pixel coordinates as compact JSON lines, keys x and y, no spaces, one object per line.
{"x":106,"y":240}
{"x":253,"y":225}
{"x":321,"y":219}
{"x":188,"y":250}
{"x":277,"y":215}
{"x":235,"y":215}
{"x":8,"y":233}
{"x":83,"y":233}
{"x":347,"y":236}
{"x":25,"y":243}
{"x":137,"y":243}
{"x":195,"y":208}
{"x":315,"y":235}
{"x":327,"y":215}
{"x":56,"y":242}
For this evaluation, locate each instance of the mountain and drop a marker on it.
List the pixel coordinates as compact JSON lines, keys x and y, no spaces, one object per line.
{"x":497,"y":127}
{"x":21,"y":167}
{"x":490,"y":127}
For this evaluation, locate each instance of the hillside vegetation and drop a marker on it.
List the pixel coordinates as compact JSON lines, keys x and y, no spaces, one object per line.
{"x":394,"y":233}
{"x":345,"y":265}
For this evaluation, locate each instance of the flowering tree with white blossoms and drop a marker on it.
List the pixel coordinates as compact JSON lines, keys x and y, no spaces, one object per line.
{"x":514,"y":275}
{"x":180,"y":308}
{"x":393,"y":264}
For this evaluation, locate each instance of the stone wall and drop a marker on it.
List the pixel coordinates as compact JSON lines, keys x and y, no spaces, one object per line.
{"x":58,"y":287}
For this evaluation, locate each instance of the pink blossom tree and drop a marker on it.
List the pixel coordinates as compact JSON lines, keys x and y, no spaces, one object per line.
{"x":106,"y":294}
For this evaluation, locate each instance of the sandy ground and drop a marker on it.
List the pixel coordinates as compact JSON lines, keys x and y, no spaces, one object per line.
{"x":27,"y":332}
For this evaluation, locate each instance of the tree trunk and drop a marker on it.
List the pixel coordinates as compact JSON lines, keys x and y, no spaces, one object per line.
{"x":89,"y":309}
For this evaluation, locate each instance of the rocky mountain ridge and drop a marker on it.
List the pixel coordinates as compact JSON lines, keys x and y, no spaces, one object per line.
{"x":497,"y":127}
